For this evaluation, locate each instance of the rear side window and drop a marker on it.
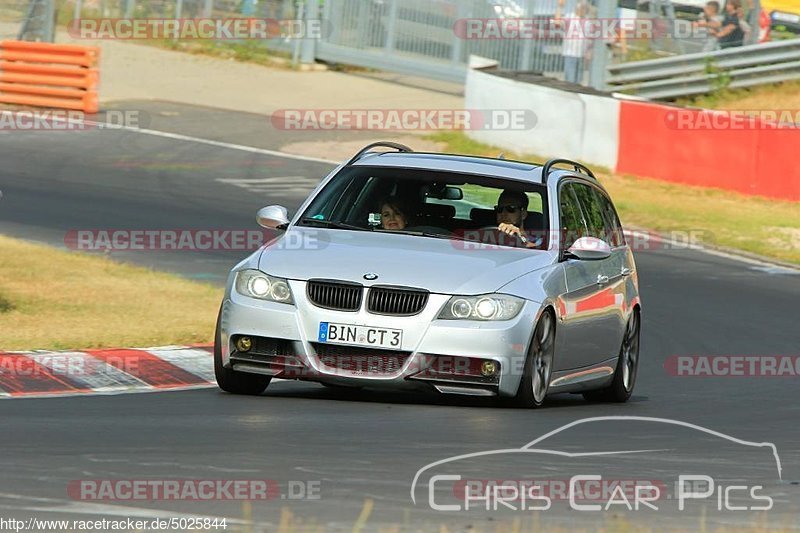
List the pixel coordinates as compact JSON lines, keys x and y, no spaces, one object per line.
{"x":573,"y":226}
{"x":615,"y":237}
{"x":592,"y":210}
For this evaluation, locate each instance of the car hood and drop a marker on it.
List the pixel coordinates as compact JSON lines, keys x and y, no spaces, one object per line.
{"x":441,"y":266}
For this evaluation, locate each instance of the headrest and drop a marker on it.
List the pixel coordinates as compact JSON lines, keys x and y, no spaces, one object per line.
{"x":483,"y":217}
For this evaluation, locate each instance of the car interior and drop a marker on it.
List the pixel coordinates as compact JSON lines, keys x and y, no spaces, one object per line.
{"x":447,"y":206}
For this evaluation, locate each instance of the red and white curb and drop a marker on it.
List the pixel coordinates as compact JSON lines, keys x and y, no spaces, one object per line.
{"x":105,"y":371}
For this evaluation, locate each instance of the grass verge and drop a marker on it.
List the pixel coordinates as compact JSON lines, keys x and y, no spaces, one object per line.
{"x":770,"y":228}
{"x":53,"y":300}
{"x":779,"y":96}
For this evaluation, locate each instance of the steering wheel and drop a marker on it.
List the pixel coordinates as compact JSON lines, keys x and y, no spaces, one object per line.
{"x":519,"y":237}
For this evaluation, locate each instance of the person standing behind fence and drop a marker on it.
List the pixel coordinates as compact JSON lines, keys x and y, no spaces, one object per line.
{"x":711,"y":20}
{"x":576,"y":39}
{"x":731,"y":33}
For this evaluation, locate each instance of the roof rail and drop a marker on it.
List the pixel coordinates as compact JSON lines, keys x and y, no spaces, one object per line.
{"x":385,"y":144}
{"x":578,"y":168}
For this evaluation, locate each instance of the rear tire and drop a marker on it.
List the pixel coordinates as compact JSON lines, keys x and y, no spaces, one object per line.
{"x":538,"y":364}
{"x":232,"y":381}
{"x":621,"y":388}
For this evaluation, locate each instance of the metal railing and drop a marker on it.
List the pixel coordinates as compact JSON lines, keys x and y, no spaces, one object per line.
{"x":694,"y":74}
{"x":407,"y":36}
{"x":418,"y":37}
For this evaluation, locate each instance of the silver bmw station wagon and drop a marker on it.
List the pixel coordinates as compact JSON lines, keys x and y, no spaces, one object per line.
{"x":464,"y":275}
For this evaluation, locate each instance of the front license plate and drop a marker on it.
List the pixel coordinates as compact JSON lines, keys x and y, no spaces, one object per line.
{"x":360,"y":335}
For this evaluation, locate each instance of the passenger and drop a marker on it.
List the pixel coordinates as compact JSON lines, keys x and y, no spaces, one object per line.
{"x":393,"y":213}
{"x":512,"y":210}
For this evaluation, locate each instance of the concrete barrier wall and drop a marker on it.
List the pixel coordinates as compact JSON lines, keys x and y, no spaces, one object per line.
{"x":572,"y":125}
{"x":641,"y":138}
{"x":683,"y":146}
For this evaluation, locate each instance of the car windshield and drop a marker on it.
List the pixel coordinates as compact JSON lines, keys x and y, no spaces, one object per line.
{"x":431,"y":204}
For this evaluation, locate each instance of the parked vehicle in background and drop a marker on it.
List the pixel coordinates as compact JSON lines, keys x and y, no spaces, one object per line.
{"x":783,"y":14}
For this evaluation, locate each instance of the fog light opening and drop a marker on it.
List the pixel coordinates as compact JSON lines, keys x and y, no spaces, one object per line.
{"x":244,"y":344}
{"x":488,"y":368}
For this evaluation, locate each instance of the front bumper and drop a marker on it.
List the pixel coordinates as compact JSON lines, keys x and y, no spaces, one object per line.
{"x":429,"y":348}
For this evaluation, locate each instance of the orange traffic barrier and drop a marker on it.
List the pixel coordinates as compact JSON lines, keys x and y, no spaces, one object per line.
{"x":63,"y":76}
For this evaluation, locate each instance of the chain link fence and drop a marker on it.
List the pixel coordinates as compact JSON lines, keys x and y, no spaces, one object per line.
{"x":12,"y":15}
{"x":275,"y":9}
{"x":426,"y":37}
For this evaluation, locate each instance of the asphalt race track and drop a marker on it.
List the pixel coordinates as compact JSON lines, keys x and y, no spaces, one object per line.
{"x":364,"y":446}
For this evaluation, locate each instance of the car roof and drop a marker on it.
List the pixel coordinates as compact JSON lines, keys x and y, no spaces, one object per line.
{"x":501,"y":168}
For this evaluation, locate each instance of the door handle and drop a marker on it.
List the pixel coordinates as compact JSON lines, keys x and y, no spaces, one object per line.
{"x":601,"y":279}
{"x":626,"y":272}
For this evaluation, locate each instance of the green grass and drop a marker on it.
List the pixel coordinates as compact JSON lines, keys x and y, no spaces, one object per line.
{"x":458,"y":143}
{"x":762,"y":226}
{"x":5,"y":304}
{"x":53,"y":300}
{"x":246,"y":51}
{"x":784,"y":95}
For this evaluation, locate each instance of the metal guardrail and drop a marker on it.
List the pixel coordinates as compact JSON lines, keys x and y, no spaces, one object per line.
{"x":701,"y":73}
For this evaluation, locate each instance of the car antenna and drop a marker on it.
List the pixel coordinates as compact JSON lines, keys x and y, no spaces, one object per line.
{"x":501,"y":156}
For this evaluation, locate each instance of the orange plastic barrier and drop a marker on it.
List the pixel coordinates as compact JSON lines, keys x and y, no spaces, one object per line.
{"x":63,"y":76}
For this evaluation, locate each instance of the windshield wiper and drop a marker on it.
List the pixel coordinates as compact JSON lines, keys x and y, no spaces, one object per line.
{"x":331,"y":224}
{"x":417,"y":233}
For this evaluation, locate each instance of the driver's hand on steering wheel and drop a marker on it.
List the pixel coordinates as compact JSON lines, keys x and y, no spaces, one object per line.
{"x":509,"y":229}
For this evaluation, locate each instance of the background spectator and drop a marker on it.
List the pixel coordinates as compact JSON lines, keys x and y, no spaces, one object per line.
{"x":731,"y":33}
{"x":711,"y":19}
{"x":576,"y":40}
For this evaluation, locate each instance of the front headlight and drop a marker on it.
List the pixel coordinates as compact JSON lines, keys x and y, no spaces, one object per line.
{"x":256,"y":284}
{"x":486,"y":307}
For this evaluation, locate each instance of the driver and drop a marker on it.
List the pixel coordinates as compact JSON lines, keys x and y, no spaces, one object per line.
{"x":511,"y":211}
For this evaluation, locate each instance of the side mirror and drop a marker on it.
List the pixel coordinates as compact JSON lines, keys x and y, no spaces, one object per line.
{"x":273,"y":217}
{"x":589,"y":249}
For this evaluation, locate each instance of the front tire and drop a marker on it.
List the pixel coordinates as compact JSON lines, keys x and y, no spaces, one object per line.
{"x":538,"y":364}
{"x":232,"y":381}
{"x":621,"y":388}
